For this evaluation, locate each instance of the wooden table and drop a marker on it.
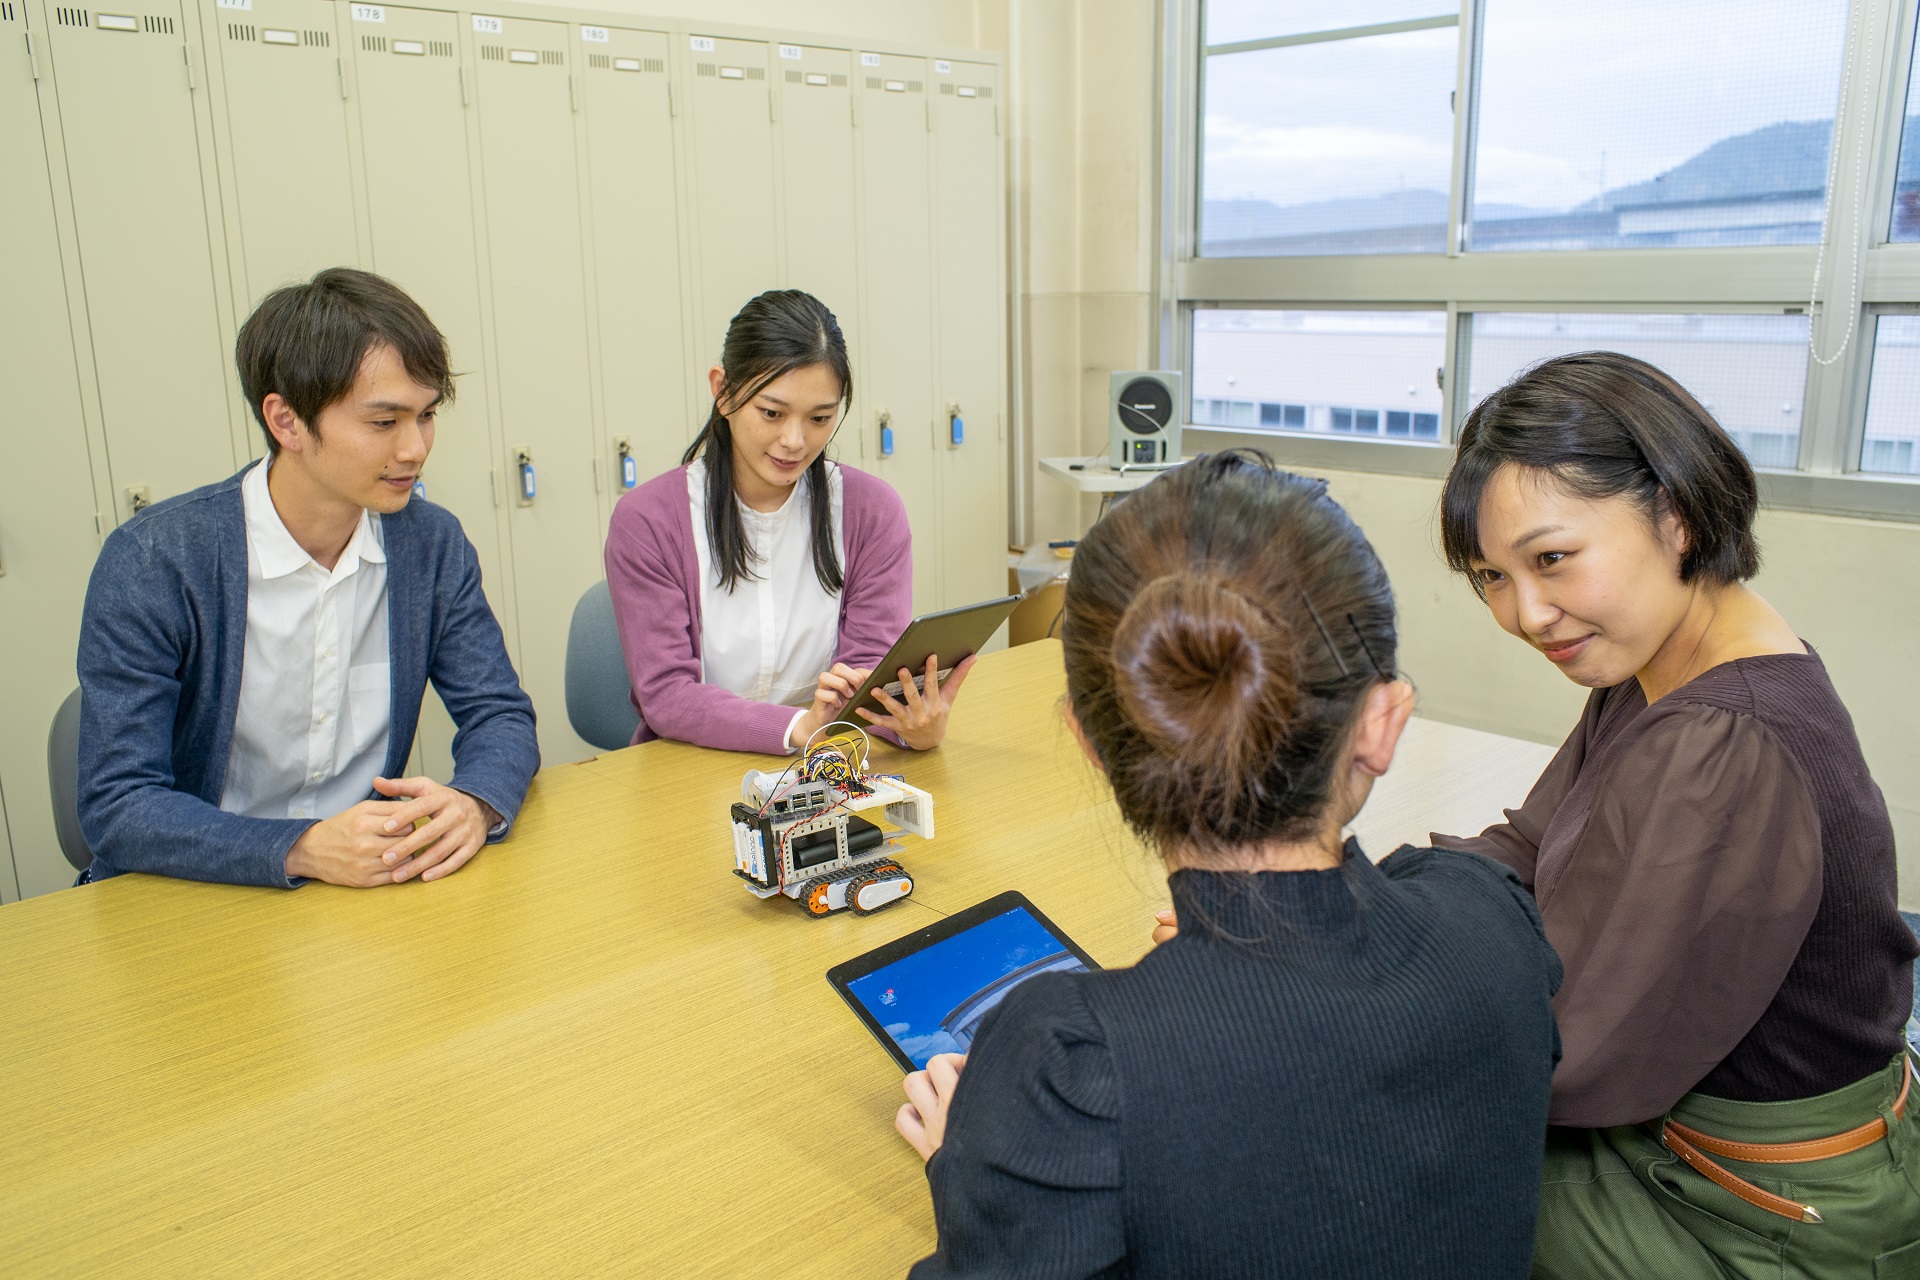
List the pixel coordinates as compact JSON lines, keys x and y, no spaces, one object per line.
{"x":591,"y":1052}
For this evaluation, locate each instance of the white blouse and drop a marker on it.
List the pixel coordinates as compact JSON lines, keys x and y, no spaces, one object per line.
{"x":770,"y":637}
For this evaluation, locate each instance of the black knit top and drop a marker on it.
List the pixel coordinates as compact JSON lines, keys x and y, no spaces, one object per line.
{"x":1327,"y":1074}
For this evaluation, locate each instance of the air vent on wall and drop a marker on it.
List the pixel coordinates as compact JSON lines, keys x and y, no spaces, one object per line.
{"x":873,"y":82}
{"x":71,"y":17}
{"x":239,"y":31}
{"x":440,"y":48}
{"x":552,"y":58}
{"x":600,"y":61}
{"x":946,"y":88}
{"x":655,"y":64}
{"x":493,"y":53}
{"x":374,"y":44}
{"x":756,"y":73}
{"x":914,"y":86}
{"x":840,"y":81}
{"x":159,"y":26}
{"x":317,"y":39}
{"x":705,"y":69}
{"x":986,"y":91}
{"x":6,"y":11}
{"x":794,"y":77}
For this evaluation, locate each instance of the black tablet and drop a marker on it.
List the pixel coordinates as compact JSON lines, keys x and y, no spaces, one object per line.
{"x":927,"y":992}
{"x":953,"y":634}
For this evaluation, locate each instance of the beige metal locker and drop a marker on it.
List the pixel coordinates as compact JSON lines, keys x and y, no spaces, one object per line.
{"x":731,"y":160}
{"x":896,"y":298}
{"x":645,"y":411}
{"x":818,"y":207}
{"x":412,"y":115}
{"x":48,"y":537}
{"x":969,"y":331}
{"x":125,"y":81}
{"x":285,"y":129}
{"x":527,"y":100}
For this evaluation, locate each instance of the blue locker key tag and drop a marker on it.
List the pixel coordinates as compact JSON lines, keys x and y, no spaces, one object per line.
{"x":957,"y":429}
{"x":419,"y":487}
{"x":886,"y":442}
{"x":526,"y":480}
{"x":629,"y":472}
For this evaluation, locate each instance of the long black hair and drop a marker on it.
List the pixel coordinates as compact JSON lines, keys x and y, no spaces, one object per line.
{"x":776,"y":333}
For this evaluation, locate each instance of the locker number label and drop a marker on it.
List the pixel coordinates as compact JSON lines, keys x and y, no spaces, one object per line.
{"x":791,"y":52}
{"x":941,"y":67}
{"x":701,"y":44}
{"x":236,"y":4}
{"x":369,"y":13}
{"x":488,"y":26}
{"x":869,"y":59}
{"x":596,"y":35}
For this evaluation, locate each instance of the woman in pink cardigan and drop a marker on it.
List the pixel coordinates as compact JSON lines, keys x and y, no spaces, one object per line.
{"x":757,"y":584}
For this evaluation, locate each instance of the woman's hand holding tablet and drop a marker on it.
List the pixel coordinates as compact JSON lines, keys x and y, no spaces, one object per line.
{"x":919,"y":718}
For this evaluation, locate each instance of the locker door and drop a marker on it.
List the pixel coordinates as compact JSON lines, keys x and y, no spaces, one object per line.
{"x":286,"y":135}
{"x":732,"y":166}
{"x":636,"y":255}
{"x":539,"y":306}
{"x":420,"y":204}
{"x":125,"y":89}
{"x":897,"y":305}
{"x":47,"y":533}
{"x":970,"y":334}
{"x":818,"y":207}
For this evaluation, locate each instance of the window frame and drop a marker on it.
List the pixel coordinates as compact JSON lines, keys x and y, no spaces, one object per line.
{"x":1769,"y":279}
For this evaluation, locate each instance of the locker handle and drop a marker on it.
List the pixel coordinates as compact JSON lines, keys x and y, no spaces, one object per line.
{"x":523,"y":468}
{"x":629,"y":469}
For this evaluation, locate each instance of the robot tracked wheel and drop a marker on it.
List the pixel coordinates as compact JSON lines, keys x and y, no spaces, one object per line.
{"x":867,"y":894}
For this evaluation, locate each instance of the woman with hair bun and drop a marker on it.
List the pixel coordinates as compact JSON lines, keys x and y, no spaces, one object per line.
{"x":1336,"y":1069}
{"x":1711,"y":858}
{"x":756,"y":584}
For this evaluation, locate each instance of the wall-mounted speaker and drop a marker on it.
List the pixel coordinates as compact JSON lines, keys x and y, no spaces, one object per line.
{"x":1143,"y":418}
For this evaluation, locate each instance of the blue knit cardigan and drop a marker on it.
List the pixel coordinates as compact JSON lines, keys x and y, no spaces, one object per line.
{"x":161,"y":644}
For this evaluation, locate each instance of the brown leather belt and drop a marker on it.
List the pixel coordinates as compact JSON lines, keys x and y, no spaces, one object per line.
{"x":1693,"y":1146}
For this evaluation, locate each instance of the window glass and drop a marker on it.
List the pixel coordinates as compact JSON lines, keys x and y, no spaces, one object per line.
{"x":1606,"y":124}
{"x":1892,"y":444}
{"x":1231,"y":21}
{"x":1750,"y":372}
{"x":1363,"y":374}
{"x":1906,"y":186}
{"x":1338,"y":146}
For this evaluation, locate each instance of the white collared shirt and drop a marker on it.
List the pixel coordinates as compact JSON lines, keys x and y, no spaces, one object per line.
{"x":316,"y":686}
{"x":772,"y":635}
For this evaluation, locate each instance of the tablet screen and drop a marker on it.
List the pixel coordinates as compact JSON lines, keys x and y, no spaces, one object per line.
{"x":932,"y":1000}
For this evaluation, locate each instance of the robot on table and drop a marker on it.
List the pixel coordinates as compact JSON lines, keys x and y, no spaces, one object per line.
{"x":798,"y":833}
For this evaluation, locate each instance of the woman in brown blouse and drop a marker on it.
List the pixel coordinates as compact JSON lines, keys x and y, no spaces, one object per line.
{"x":1710,"y":857}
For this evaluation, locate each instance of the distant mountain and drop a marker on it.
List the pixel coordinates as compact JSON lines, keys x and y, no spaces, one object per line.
{"x":1259,"y":219}
{"x":1773,"y":160}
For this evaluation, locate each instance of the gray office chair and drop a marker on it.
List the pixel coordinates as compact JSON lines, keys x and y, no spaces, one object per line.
{"x":599,"y":694}
{"x":63,"y":775}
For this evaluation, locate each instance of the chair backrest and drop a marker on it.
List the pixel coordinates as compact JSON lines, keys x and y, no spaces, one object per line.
{"x":599,"y":693}
{"x":63,"y":777}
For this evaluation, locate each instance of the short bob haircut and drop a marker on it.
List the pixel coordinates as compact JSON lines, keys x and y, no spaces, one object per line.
{"x":1605,"y":425}
{"x":307,"y":342}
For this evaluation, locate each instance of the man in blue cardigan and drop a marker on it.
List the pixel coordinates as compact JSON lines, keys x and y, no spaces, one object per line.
{"x":253,"y":654}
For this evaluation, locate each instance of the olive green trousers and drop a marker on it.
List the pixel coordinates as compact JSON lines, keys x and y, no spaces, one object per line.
{"x":1617,"y":1203}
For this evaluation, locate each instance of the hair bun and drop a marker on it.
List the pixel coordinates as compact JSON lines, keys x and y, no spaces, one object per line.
{"x":1203,"y":673}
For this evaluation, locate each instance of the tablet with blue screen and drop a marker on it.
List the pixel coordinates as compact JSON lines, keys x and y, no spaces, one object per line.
{"x":927,"y":993}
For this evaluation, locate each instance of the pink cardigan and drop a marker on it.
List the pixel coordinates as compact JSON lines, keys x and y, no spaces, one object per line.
{"x":652,"y":575}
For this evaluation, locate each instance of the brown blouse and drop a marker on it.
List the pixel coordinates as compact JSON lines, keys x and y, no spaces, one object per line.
{"x":1717,"y":874}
